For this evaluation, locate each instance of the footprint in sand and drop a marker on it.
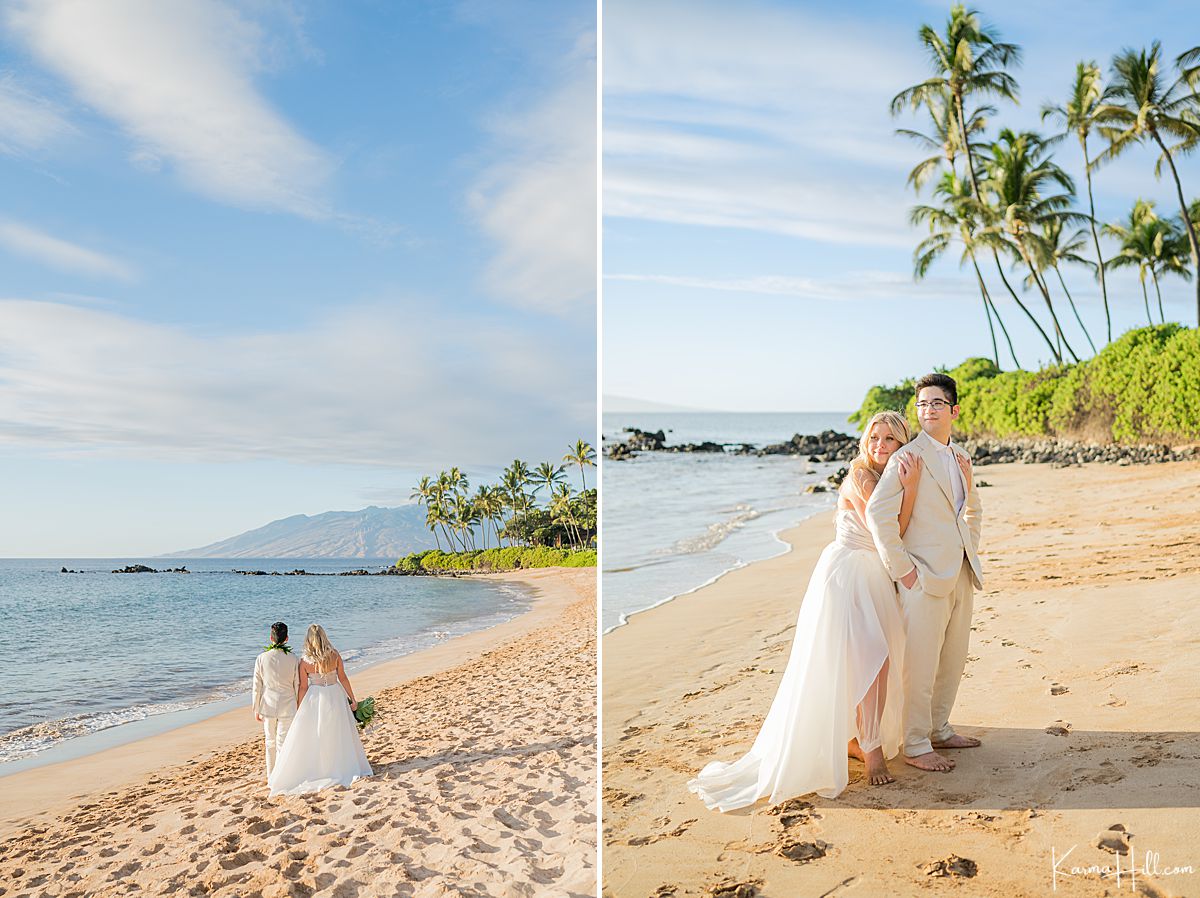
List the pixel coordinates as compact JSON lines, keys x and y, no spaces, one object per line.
{"x":1059,"y":728}
{"x":1058,"y":689}
{"x":803,"y":852}
{"x":950,"y":866}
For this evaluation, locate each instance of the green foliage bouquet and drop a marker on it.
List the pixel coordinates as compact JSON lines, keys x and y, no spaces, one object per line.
{"x":365,"y":712}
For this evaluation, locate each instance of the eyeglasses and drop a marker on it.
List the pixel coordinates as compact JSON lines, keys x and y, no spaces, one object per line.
{"x":936,"y":404}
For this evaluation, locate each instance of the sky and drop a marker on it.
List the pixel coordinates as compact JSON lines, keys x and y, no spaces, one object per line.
{"x":757,"y":251}
{"x":263,"y":257}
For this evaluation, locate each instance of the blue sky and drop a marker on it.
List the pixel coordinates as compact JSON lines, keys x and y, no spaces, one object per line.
{"x":264,"y":257}
{"x":757,"y":254}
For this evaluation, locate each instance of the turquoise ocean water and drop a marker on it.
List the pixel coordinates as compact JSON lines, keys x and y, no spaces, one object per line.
{"x":673,"y":523}
{"x":93,"y":659}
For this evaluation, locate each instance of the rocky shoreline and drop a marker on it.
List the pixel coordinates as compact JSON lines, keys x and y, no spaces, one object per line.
{"x":831,"y":446}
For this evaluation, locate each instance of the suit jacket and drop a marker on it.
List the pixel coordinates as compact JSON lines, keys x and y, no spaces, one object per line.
{"x":936,"y":537}
{"x":276,"y":682}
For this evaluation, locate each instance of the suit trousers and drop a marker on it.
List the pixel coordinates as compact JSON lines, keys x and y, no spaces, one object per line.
{"x":276,"y":730}
{"x":937,"y":633}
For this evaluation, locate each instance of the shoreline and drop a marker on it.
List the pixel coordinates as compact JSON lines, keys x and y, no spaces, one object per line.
{"x":779,"y":535}
{"x":1082,"y":708}
{"x":36,"y":793}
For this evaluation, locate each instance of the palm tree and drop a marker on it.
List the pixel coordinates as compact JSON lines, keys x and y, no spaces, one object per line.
{"x":955,"y":218}
{"x":547,"y":475}
{"x":580,"y":454}
{"x":561,"y":512}
{"x":1138,"y":107}
{"x":1138,"y":236}
{"x":1020,"y":178}
{"x":943,"y":139}
{"x":968,"y":60}
{"x":1079,"y":115}
{"x":1053,"y":249}
{"x":465,"y":518}
{"x":1171,"y":258}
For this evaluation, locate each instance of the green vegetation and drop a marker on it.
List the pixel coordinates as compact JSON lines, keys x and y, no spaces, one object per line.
{"x":1005,"y":199}
{"x":1143,"y":387}
{"x":560,"y":532}
{"x":486,"y":560}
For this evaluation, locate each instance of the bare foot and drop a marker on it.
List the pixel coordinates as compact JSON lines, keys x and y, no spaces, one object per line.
{"x":877,"y":769}
{"x":931,"y":760}
{"x":957,"y":741}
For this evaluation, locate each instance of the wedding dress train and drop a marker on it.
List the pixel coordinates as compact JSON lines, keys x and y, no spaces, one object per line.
{"x":849,"y":626}
{"x":322,"y":747}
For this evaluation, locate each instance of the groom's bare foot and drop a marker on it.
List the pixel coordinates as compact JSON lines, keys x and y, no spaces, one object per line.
{"x":957,"y":741}
{"x":877,"y":769}
{"x":931,"y":760}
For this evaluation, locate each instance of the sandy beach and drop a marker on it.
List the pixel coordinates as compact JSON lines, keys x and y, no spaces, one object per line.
{"x":485,"y":783}
{"x":1082,"y":684}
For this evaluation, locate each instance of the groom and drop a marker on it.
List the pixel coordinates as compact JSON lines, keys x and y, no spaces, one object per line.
{"x":276,"y":683}
{"x":936,"y":563}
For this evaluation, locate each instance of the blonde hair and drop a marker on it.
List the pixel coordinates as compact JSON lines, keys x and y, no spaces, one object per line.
{"x":319,"y":650}
{"x":895,"y":422}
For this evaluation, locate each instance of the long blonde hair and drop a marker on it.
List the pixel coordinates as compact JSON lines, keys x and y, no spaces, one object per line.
{"x":895,"y":422}
{"x":319,"y":650}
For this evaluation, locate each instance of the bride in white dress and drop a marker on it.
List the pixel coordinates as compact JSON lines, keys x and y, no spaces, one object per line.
{"x":845,"y":659}
{"x":322,"y":747}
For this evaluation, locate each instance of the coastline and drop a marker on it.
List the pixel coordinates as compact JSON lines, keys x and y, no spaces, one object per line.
{"x":37,"y":793}
{"x":1079,"y":563}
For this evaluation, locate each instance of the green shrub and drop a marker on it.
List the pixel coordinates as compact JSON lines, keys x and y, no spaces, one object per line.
{"x":1143,"y":387}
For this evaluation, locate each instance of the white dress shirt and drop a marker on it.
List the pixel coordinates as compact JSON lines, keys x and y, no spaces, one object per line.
{"x":954,"y":472}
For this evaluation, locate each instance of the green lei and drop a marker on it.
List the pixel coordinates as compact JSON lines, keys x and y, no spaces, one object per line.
{"x":282,"y":646}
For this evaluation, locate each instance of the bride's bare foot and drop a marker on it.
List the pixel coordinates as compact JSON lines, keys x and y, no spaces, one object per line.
{"x":957,"y":741}
{"x":877,"y":769}
{"x":854,"y":751}
{"x":931,"y":760}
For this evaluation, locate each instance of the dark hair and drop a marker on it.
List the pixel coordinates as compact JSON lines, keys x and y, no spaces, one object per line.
{"x":943,"y":382}
{"x":278,"y":632}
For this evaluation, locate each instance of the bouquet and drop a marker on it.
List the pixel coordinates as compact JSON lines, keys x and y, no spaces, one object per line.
{"x":365,"y":712}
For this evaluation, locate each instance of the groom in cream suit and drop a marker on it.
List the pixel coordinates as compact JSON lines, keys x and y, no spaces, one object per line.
{"x":276,"y":684}
{"x":936,"y":564}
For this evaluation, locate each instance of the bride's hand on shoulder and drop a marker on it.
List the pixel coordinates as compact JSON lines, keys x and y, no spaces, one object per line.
{"x":910,"y":470}
{"x":964,"y":465}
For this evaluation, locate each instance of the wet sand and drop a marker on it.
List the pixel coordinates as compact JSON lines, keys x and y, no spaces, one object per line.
{"x":1082,"y":682}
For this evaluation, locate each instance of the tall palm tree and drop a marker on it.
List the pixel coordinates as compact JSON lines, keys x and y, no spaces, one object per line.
{"x":954,"y":219}
{"x":1079,"y":115}
{"x":1020,"y":180}
{"x":547,"y":475}
{"x":514,"y":480}
{"x":580,"y":454}
{"x":1138,"y":108}
{"x":1052,"y":250}
{"x":1138,"y":236}
{"x":561,"y":511}
{"x":968,"y":60}
{"x":943,"y":138}
{"x":1171,"y":258}
{"x":465,"y":518}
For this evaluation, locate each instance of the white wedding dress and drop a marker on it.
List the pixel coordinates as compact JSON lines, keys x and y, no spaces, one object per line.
{"x":322,"y":747}
{"x":849,"y":626}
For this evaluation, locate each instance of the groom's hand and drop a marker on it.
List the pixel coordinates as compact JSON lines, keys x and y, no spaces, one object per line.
{"x":909,"y":579}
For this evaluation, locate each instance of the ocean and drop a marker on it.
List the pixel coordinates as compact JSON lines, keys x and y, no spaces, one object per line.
{"x":673,"y":523}
{"x":94,"y":659}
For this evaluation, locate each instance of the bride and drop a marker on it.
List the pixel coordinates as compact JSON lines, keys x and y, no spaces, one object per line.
{"x":845,"y":659}
{"x":322,"y":747}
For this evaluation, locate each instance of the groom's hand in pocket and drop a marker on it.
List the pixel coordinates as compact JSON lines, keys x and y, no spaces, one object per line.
{"x":909,"y":579}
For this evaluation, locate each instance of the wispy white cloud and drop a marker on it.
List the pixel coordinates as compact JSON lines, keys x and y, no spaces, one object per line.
{"x":854,"y":286}
{"x":756,"y":117}
{"x":28,"y":121}
{"x":373,"y":385}
{"x":35,"y":244}
{"x":539,"y":203}
{"x":179,"y":79}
